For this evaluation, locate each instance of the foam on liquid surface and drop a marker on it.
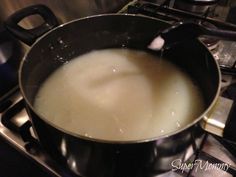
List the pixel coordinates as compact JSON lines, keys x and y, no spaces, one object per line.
{"x":119,"y":94}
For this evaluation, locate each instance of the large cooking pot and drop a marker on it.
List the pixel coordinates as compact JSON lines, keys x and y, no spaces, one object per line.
{"x":92,"y":157}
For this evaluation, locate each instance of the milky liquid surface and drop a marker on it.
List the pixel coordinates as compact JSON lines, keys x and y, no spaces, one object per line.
{"x":120,"y":95}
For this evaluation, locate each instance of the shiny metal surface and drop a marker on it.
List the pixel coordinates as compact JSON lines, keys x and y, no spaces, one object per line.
{"x":215,"y":123}
{"x":16,"y":141}
{"x":64,"y":10}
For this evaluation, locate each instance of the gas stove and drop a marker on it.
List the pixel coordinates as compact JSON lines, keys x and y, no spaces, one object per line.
{"x":23,"y":156}
{"x":216,"y":14}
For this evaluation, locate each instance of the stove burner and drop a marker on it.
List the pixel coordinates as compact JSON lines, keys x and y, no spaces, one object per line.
{"x":226,"y":54}
{"x":212,"y":43}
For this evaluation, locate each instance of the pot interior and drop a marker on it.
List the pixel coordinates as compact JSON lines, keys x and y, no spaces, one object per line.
{"x":113,"y":31}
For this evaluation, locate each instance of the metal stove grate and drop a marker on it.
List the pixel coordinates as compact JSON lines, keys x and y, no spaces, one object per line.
{"x":165,"y":11}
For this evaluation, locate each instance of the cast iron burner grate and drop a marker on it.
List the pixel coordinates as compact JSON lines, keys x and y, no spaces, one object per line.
{"x":168,"y":13}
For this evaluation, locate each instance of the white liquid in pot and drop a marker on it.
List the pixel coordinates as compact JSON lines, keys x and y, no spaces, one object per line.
{"x":119,"y":94}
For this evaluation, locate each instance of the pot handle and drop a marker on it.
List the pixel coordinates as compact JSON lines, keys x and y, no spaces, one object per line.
{"x":222,"y":119}
{"x":29,"y":36}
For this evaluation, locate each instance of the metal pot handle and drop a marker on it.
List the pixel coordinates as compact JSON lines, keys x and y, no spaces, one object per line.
{"x":222,"y":119}
{"x":29,"y":36}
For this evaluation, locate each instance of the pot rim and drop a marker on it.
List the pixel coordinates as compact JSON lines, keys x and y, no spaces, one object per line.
{"x":104,"y":140}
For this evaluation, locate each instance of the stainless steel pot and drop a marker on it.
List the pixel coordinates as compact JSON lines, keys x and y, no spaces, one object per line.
{"x":93,"y":157}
